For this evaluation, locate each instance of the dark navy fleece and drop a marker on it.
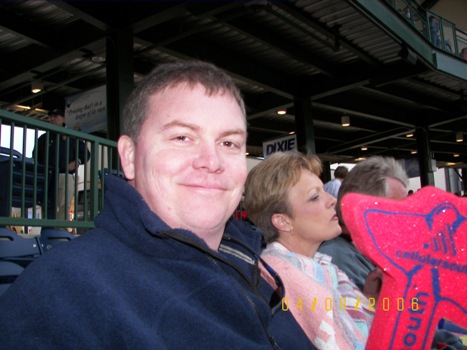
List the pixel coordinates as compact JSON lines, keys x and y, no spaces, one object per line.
{"x":133,"y":283}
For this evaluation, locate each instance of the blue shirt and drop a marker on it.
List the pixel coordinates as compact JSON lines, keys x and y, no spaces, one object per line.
{"x":332,"y":187}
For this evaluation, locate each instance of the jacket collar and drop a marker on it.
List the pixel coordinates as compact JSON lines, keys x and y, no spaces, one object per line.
{"x":129,"y":213}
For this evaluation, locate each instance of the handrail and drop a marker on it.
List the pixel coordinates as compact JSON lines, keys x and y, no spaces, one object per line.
{"x":27,"y":188}
{"x":440,"y":32}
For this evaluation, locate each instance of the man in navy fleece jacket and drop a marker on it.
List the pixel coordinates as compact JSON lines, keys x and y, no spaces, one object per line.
{"x":166,"y":267}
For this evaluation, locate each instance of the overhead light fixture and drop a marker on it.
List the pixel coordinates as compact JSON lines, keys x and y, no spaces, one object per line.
{"x":459,"y":137}
{"x":413,"y":152}
{"x":364,"y":148}
{"x":291,"y":132}
{"x":281,"y":112}
{"x":455,"y":155}
{"x":359,"y":159}
{"x":98,"y":59}
{"x":36,"y":86}
{"x":409,"y":135}
{"x":345,"y":120}
{"x":24,"y":107}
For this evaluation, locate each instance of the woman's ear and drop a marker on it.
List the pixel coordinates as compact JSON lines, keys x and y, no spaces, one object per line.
{"x":126,"y":150}
{"x":282,"y":222}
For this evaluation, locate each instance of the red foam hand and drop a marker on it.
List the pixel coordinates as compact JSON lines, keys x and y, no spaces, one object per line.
{"x":420,"y":243}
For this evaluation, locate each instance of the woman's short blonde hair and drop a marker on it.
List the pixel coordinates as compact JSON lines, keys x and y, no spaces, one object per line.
{"x":267,"y":185}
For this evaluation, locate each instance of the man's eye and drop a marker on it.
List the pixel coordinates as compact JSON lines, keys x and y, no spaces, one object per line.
{"x":181,"y":138}
{"x":230,"y":144}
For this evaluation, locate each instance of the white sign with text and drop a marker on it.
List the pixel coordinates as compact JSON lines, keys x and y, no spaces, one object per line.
{"x":283,"y":144}
{"x":87,"y":111}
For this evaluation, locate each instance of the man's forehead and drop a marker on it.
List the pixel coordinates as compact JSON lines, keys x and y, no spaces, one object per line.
{"x":156,"y":98}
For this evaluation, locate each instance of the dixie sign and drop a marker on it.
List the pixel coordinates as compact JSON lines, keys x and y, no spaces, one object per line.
{"x":283,"y":144}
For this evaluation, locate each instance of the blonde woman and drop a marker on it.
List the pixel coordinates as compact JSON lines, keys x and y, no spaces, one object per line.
{"x":286,"y":200}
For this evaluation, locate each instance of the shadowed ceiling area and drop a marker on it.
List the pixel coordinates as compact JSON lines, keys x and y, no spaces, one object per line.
{"x":335,"y":55}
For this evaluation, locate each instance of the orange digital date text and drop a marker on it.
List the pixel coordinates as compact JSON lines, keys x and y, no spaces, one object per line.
{"x":329,"y":303}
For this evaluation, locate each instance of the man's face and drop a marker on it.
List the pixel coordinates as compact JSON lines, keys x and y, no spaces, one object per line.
{"x":395,"y":189}
{"x":57,"y":119}
{"x":189,"y":161}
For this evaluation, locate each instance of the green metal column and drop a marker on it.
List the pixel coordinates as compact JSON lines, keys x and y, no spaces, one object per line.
{"x":119,"y":78}
{"x":425,"y":161}
{"x":326,"y":175}
{"x":304,"y":125}
{"x":464,"y":180}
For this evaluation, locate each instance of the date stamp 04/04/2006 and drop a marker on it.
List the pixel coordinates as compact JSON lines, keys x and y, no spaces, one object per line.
{"x":328,"y":304}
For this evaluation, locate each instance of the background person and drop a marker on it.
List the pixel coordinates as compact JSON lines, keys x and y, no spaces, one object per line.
{"x":332,"y":187}
{"x":463,"y":53}
{"x":285,"y":198}
{"x":435,"y":31}
{"x":167,"y":266}
{"x":376,"y":176}
{"x":66,"y":165}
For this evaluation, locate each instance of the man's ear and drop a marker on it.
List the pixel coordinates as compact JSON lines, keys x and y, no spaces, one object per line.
{"x":282,"y":222}
{"x":126,"y":150}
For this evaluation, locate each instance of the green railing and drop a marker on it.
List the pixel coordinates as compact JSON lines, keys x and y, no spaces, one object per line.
{"x":442,"y":33}
{"x":28,"y":188}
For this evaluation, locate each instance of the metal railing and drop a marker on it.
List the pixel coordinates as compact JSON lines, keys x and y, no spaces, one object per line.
{"x":29,"y":188}
{"x":442,"y":33}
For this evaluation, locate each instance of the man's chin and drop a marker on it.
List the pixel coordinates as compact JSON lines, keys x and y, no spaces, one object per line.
{"x":211,"y":215}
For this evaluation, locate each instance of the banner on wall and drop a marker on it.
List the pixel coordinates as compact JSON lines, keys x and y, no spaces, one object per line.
{"x":282,"y":144}
{"x":87,"y":111}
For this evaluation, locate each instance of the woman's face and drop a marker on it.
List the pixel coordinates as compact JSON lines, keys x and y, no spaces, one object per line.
{"x":314,"y":218}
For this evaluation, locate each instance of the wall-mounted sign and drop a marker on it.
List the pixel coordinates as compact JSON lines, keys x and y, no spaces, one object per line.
{"x":87,"y":111}
{"x":282,"y":144}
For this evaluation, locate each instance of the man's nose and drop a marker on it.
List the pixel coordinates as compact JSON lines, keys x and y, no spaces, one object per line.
{"x":208,"y":158}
